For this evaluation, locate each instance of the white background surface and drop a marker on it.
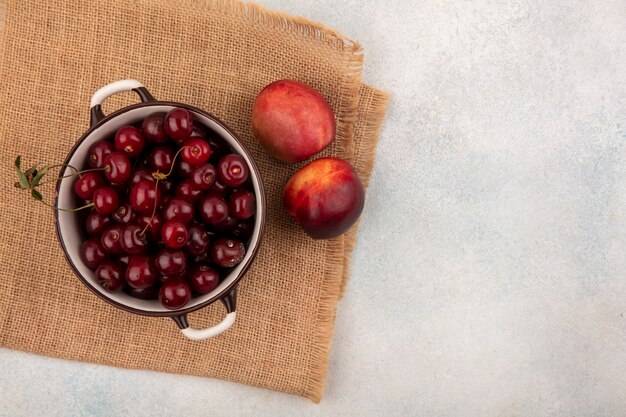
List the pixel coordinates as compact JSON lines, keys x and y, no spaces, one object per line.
{"x":490,"y":273}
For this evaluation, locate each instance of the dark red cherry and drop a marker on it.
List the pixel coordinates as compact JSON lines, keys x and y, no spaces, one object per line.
{"x":203,"y":176}
{"x":129,"y":140}
{"x":92,"y":253}
{"x":105,"y":200}
{"x":150,"y":293}
{"x":154,"y":230}
{"x":166,"y":185}
{"x":124,"y":214}
{"x":178,"y":209}
{"x":174,"y":294}
{"x":203,"y":278}
{"x":174,"y":234}
{"x":140,"y":272}
{"x":145,"y":196}
{"x":213,"y":209}
{"x":219,"y":188}
{"x":227,"y":252}
{"x":227,"y":225}
{"x":117,"y":167}
{"x":87,"y":184}
{"x":153,"y":128}
{"x":142,"y":173}
{"x":218,"y":147}
{"x":110,"y":275}
{"x":95,"y":222}
{"x":111,"y":239}
{"x":242,"y":204}
{"x":243,"y":230}
{"x":123,"y":259}
{"x":170,"y":262}
{"x":186,"y":191}
{"x":160,"y":158}
{"x":199,"y":240}
{"x":198,"y":131}
{"x":183,"y":168}
{"x":97,"y":152}
{"x":179,"y":124}
{"x":195,"y":151}
{"x":232,"y":170}
{"x":133,"y":240}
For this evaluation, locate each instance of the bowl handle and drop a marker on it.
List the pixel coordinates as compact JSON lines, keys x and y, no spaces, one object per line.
{"x":95,"y":107}
{"x":229,"y":301}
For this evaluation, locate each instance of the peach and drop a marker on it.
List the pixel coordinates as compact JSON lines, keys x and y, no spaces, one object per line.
{"x":292,"y":121}
{"x":325,"y":197}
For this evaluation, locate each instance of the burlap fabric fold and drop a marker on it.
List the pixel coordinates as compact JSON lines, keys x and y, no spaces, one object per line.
{"x":214,"y":55}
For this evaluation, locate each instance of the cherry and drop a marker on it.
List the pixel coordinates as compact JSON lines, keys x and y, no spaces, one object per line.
{"x":97,"y":152}
{"x":142,"y":173}
{"x":199,"y":240}
{"x":165,"y":201}
{"x":153,"y":129}
{"x":117,"y":167}
{"x":218,"y":148}
{"x":184,"y":169}
{"x":87,"y":184}
{"x":111,"y":239}
{"x":155,"y":224}
{"x":242,"y":204}
{"x":95,"y":222}
{"x":129,"y":140}
{"x":243,"y":230}
{"x":170,"y":262}
{"x":145,"y":196}
{"x":203,"y":176}
{"x":105,"y":200}
{"x":140,"y":272}
{"x":160,"y":158}
{"x":218,"y":188}
{"x":123,"y":259}
{"x":196,"y":151}
{"x":203,"y":278}
{"x":227,"y":225}
{"x":92,"y":253}
{"x":174,"y":234}
{"x":178,"y":209}
{"x":110,"y":275}
{"x":124,"y":214}
{"x":198,"y":131}
{"x":186,"y":191}
{"x":166,"y":185}
{"x":227,"y":252}
{"x":232,"y":170}
{"x":150,"y":293}
{"x":179,"y":124}
{"x":174,"y":294}
{"x":213,"y":209}
{"x":133,"y":241}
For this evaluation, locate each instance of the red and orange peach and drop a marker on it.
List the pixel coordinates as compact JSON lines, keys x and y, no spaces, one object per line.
{"x":325,"y":197}
{"x":292,"y":121}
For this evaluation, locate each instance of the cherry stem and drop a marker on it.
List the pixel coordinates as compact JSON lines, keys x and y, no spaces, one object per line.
{"x":156,"y":190}
{"x":64,"y":209}
{"x":79,"y":173}
{"x":159,"y":176}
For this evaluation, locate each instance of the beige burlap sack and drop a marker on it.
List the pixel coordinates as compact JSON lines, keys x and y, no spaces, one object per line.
{"x":214,"y":55}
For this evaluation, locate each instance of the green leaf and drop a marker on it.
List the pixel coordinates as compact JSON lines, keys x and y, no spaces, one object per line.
{"x":37,"y":178}
{"x":36,"y":195}
{"x":30,"y":171}
{"x":23,"y":181}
